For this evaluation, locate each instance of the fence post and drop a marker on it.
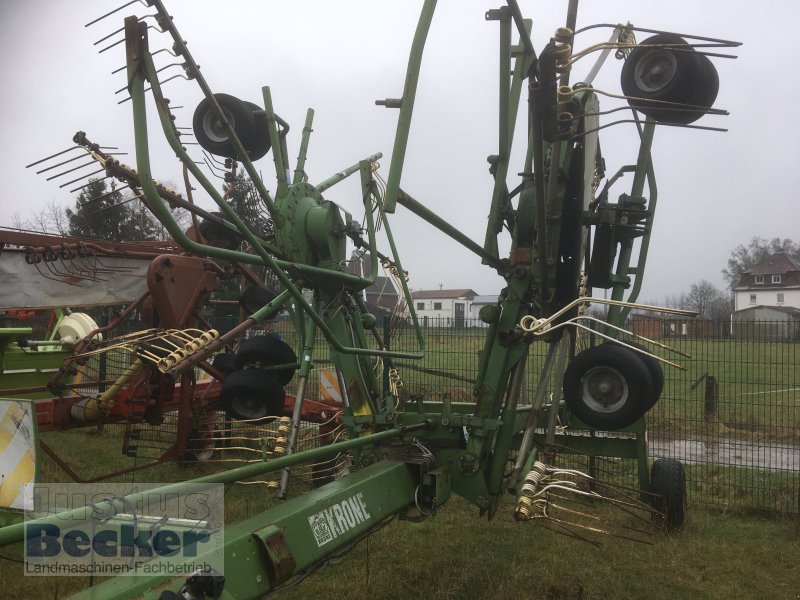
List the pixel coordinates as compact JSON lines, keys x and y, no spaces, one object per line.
{"x":711,"y":397}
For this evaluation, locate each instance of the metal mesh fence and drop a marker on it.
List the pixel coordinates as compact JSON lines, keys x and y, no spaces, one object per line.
{"x":732,"y":416}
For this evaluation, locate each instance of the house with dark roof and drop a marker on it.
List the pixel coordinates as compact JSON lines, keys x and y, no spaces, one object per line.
{"x":443,"y":308}
{"x":775,"y":281}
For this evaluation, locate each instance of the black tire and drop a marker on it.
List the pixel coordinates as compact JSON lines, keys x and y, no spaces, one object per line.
{"x":607,"y":387}
{"x":706,"y":94}
{"x":264,"y":351}
{"x":260,"y":143}
{"x":211,"y":133}
{"x":252,"y":394}
{"x":656,"y":372}
{"x":225,"y":362}
{"x":254,"y":298}
{"x":668,"y":486}
{"x":653,"y":75}
{"x":218,"y":235}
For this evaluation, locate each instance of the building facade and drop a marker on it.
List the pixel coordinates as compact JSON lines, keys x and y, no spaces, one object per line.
{"x":775,"y":281}
{"x":443,"y":308}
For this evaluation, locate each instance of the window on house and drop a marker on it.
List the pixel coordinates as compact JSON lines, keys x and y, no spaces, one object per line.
{"x":437,"y":306}
{"x":420,"y":306}
{"x":776,"y":279}
{"x":780,"y":297}
{"x":759,"y":279}
{"x":752,"y":298}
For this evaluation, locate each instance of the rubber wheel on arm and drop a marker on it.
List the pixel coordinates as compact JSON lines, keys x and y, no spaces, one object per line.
{"x":668,"y":485}
{"x":254,"y":298}
{"x":218,"y":235}
{"x":260,"y":143}
{"x":607,"y":387}
{"x":225,"y":362}
{"x":264,"y":351}
{"x":653,"y":74}
{"x":252,"y":394}
{"x":655,"y":369}
{"x":210,"y":131}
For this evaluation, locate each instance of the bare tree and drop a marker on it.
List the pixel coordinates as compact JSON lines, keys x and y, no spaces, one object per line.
{"x":708,"y":300}
{"x":51,"y":219}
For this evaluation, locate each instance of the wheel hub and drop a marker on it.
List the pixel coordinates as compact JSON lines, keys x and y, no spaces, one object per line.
{"x":604,"y":389}
{"x":213,"y":126}
{"x":655,"y":70}
{"x":249,"y":407}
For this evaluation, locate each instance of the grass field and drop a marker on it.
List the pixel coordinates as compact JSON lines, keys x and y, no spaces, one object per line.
{"x":457,"y":555}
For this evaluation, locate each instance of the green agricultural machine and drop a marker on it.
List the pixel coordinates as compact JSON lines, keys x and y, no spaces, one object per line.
{"x":568,"y":234}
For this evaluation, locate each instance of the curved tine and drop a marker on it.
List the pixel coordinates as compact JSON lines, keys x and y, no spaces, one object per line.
{"x":651,"y":531}
{"x":593,"y":300}
{"x":665,"y":103}
{"x":609,"y":338}
{"x":640,"y":337}
{"x":719,"y":42}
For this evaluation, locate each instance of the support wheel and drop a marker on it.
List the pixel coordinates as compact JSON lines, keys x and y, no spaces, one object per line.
{"x":264,"y":351}
{"x":254,"y":298}
{"x":607,"y":387}
{"x":668,"y":484}
{"x":252,"y":394}
{"x":656,"y":372}
{"x":210,"y":130}
{"x":225,"y":362}
{"x":218,"y":235}
{"x":665,"y":69}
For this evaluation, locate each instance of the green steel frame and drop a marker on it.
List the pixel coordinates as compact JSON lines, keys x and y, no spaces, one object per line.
{"x":414,"y":457}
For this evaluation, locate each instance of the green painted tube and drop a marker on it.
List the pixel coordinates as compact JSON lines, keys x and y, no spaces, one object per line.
{"x":16,"y":533}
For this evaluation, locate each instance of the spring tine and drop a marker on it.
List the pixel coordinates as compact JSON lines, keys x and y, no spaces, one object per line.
{"x":63,"y":162}
{"x":46,"y":158}
{"x":90,"y":163}
{"x":72,"y":191}
{"x":112,"y":34}
{"x":119,"y":8}
{"x":83,"y":177}
{"x":127,"y":185}
{"x":167,"y":50}
{"x":105,"y":208}
{"x":111,"y":46}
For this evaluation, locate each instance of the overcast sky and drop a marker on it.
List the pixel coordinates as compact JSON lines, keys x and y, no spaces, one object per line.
{"x":716,"y":190}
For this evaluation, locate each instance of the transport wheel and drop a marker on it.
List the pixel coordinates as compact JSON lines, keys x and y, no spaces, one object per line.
{"x":252,"y":394}
{"x":255,"y":297}
{"x":668,"y":484}
{"x":267,"y":350}
{"x":219,"y":235}
{"x":260,"y":144}
{"x":210,"y":130}
{"x":225,"y":362}
{"x":607,"y":387}
{"x":653,"y":74}
{"x":656,"y":372}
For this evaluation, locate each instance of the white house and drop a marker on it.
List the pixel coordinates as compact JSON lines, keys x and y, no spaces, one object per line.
{"x":443,"y":308}
{"x":775,"y":281}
